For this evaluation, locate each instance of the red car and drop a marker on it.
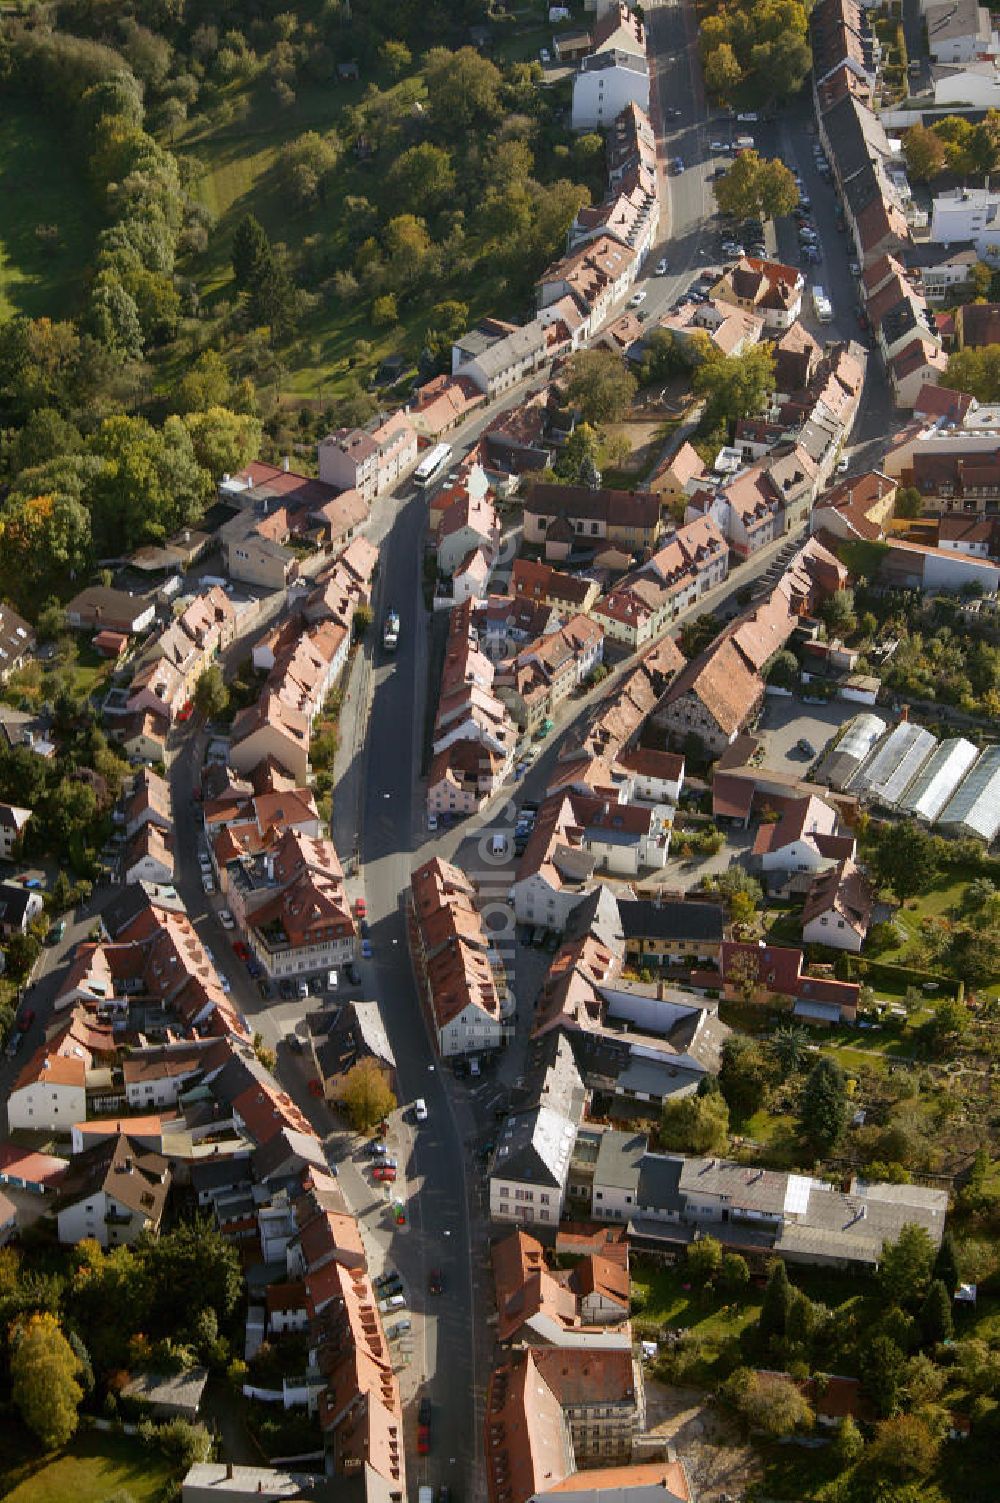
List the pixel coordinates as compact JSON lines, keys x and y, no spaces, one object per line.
{"x":360,"y":907}
{"x":385,"y":1172}
{"x":240,"y":949}
{"x":423,"y":1440}
{"x":25,"y":1019}
{"x":184,"y":713}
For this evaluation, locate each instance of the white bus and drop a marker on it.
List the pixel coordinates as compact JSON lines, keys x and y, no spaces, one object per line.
{"x":432,"y":464}
{"x":822,"y":305}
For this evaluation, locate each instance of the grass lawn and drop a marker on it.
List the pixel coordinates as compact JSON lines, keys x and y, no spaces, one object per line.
{"x":41,"y":183}
{"x":89,"y":1470}
{"x":670,"y":1300}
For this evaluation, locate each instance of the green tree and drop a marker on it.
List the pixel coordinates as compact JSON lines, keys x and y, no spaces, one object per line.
{"x":976,"y":371}
{"x":925,"y":153}
{"x":448,"y":322}
{"x":224,"y":442}
{"x":703,"y":1259}
{"x":251,"y":248}
{"x":769,"y":1402}
{"x":904,"y":1447}
{"x":306,"y":165}
{"x":777,"y":1302}
{"x":906,"y":858}
{"x":909,"y":503}
{"x":695,"y":1124}
{"x":743,"y":1075}
{"x":722,"y":72}
{"x":463,"y":91}
{"x":883,"y":1368}
{"x":756,"y":185}
{"x":385,"y":312}
{"x":210,"y":693}
{"x":204,"y":384}
{"x":905,"y":1269}
{"x":600,"y":386}
{"x":366,"y":1096}
{"x":421,"y":179}
{"x":734,"y":386}
{"x":935,"y":1314}
{"x":791,"y":1048}
{"x":734,"y":1276}
{"x":848,"y":1444}
{"x":396,"y":58}
{"x":44,"y":1371}
{"x":823,"y":1105}
{"x":783,"y":669}
{"x":946,"y":1263}
{"x":45,"y":540}
{"x":192,"y":1267}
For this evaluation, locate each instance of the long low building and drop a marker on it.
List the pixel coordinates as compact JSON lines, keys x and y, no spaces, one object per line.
{"x":936,"y":783}
{"x":887,"y":774}
{"x":667,"y":1200}
{"x":975,"y":808}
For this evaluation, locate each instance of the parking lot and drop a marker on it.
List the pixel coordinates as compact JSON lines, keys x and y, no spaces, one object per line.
{"x":784,"y":722}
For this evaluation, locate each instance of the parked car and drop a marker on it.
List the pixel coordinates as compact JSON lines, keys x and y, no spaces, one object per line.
{"x":384,"y":1174}
{"x":360,"y":906}
{"x":351,"y":972}
{"x":302,"y":990}
{"x":363,"y":929}
{"x":718,"y":146}
{"x":543,"y":55}
{"x":226,"y":919}
{"x":432,"y":822}
{"x":207,"y":883}
{"x":399,"y":1213}
{"x":662,"y":267}
{"x":638,"y":298}
{"x":677,"y":166}
{"x":241,"y":950}
{"x":366,"y":949}
{"x":392,"y":1302}
{"x":420,"y":1109}
{"x":25,"y":1018}
{"x":294,"y":1042}
{"x":385,"y":1277}
{"x":399,"y":1328}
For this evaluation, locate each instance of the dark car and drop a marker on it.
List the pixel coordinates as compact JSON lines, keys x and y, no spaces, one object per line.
{"x":25,"y":1018}
{"x":363,"y":929}
{"x":294,"y":1042}
{"x":552,"y":941}
{"x":424,"y":1412}
{"x":286,"y":991}
{"x":351,"y":972}
{"x":436,"y":1281}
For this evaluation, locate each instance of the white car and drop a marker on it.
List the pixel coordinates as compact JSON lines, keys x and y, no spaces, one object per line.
{"x":718,"y":146}
{"x":226,"y":919}
{"x":208,"y":886}
{"x":637,"y":299}
{"x":843,"y":465}
{"x":394,"y":1302}
{"x":662,"y":268}
{"x":544,"y":55}
{"x":432,"y":822}
{"x":420,"y":1109}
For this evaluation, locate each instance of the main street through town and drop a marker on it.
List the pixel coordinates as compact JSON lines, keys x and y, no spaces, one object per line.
{"x":379,"y":826}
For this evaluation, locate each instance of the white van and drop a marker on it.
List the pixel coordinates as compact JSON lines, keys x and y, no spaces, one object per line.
{"x":331,"y":981}
{"x":499,"y":845}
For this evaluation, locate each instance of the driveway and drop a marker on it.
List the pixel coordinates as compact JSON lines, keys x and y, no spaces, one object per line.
{"x":784,"y":721}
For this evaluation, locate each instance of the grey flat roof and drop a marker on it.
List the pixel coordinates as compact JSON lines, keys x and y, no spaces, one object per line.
{"x":618,"y":1159}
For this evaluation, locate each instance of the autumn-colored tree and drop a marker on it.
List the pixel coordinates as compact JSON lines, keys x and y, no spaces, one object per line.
{"x":366,"y":1096}
{"x":925,"y":153}
{"x":44,"y":1371}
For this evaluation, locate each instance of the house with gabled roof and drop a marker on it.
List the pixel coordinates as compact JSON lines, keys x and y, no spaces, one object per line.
{"x":112,"y":1194}
{"x":839,"y":908}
